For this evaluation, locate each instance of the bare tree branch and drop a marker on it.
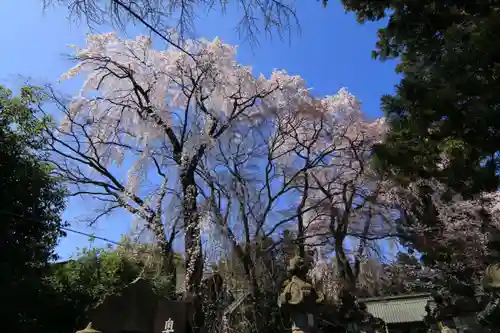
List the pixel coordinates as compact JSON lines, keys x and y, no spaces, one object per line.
{"x":160,"y":17}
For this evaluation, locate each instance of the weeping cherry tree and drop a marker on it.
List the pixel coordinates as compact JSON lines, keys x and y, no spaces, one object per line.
{"x":159,"y":114}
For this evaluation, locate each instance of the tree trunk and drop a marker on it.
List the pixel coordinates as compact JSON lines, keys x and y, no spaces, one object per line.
{"x":192,"y":246}
{"x":300,"y":219}
{"x":346,"y":274}
{"x":256,"y":298}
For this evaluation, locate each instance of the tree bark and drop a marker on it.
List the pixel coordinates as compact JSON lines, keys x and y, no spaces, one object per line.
{"x":192,"y":245}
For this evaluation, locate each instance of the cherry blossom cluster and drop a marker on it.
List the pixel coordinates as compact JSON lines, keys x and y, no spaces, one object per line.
{"x":461,"y":227}
{"x":342,"y":183}
{"x":159,"y":106}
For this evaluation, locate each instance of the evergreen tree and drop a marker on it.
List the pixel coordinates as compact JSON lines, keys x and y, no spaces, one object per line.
{"x":31,"y":202}
{"x":443,"y":116}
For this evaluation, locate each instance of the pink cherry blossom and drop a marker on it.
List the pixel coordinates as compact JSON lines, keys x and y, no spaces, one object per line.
{"x":166,"y":109}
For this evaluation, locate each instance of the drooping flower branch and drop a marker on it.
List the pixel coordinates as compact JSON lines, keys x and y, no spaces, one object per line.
{"x":176,"y":122}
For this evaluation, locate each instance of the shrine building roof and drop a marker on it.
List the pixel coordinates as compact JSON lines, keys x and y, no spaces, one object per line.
{"x":398,"y":309}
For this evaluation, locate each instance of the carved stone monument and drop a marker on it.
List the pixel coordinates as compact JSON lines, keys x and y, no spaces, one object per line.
{"x":299,"y":298}
{"x":169,"y":326}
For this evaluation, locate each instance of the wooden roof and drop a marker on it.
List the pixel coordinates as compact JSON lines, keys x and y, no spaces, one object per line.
{"x":398,"y":309}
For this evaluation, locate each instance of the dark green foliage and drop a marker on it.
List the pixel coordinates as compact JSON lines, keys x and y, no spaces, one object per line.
{"x":447,"y":101}
{"x":80,"y":285}
{"x":43,"y":296}
{"x":31,"y":202}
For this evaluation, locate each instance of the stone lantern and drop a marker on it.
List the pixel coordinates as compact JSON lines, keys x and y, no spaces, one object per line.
{"x":300,"y":298}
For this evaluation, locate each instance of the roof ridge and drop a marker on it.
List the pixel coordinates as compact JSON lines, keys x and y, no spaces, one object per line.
{"x":395,"y":297}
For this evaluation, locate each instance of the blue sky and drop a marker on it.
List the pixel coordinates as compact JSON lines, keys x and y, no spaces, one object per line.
{"x":331,"y":51}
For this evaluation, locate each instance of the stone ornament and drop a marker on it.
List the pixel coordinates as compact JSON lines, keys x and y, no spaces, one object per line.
{"x":490,"y":316}
{"x":300,"y":298}
{"x":491,"y":279}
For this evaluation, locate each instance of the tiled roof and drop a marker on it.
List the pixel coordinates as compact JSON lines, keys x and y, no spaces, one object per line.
{"x":400,"y":309}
